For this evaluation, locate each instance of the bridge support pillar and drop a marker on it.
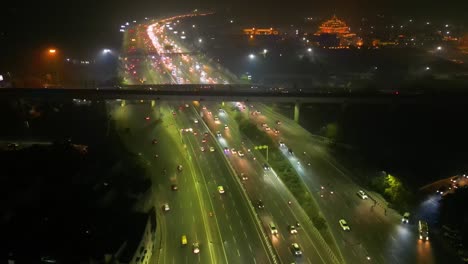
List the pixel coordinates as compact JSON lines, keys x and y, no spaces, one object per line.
{"x":297,"y":107}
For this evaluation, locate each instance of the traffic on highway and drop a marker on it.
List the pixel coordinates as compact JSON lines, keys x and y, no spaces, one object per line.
{"x":220,"y":199}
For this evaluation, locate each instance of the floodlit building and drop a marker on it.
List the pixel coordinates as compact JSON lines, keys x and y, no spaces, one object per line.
{"x":260,"y":31}
{"x":335,"y":33}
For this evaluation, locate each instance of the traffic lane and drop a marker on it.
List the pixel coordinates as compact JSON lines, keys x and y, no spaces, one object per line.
{"x":203,"y":243}
{"x":282,"y":210}
{"x":279,"y":242}
{"x":225,"y":207}
{"x":277,"y":203}
{"x":360,"y":215}
{"x":142,"y":142}
{"x":373,"y":222}
{"x":286,"y":215}
{"x":259,"y":186}
{"x":214,"y":229}
{"x":217,"y":161}
{"x":380,"y":235}
{"x":225,"y":120}
{"x":217,"y":170}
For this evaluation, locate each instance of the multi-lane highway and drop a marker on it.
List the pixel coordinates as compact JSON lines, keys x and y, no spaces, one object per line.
{"x":222,"y":223}
{"x":225,"y":216}
{"x":228,"y":202}
{"x":277,"y":203}
{"x":376,"y":231}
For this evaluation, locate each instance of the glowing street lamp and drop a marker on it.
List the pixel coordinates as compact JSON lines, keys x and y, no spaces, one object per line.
{"x":309,"y":50}
{"x":251,"y":56}
{"x":106,"y":51}
{"x":52,"y":51}
{"x":262,"y":147}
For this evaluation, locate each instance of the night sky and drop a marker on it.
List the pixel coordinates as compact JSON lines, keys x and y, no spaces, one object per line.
{"x":83,"y":26}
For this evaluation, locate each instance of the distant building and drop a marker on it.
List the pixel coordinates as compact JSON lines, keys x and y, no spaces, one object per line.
{"x":139,"y":248}
{"x":260,"y":32}
{"x":334,"y":33}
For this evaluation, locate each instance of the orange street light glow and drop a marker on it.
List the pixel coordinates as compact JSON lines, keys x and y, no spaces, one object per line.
{"x":52,"y":51}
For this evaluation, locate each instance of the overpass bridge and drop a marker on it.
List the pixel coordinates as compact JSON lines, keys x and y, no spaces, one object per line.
{"x":240,"y":93}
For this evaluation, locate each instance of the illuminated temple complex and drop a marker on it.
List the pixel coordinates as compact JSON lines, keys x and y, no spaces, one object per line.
{"x":337,"y":29}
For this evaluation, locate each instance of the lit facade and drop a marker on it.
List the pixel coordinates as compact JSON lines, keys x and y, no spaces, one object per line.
{"x":338,"y":28}
{"x":260,"y":31}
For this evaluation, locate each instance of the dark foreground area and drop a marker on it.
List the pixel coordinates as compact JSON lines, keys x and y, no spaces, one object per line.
{"x":65,"y":188}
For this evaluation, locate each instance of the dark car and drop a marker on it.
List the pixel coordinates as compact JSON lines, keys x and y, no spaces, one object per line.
{"x":266,"y":167}
{"x":260,"y":204}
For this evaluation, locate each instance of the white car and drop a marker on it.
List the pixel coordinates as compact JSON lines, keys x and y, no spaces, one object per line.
{"x":220,"y":189}
{"x":281,"y":143}
{"x":166,"y":207}
{"x":362,"y":194}
{"x":196,"y":248}
{"x":273,"y":229}
{"x":296,"y":249}
{"x":344,"y":225}
{"x":202,"y":149}
{"x":240,"y":153}
{"x":292,"y":229}
{"x":218,"y":134}
{"x":267,"y":128}
{"x":226,"y":127}
{"x":195,"y":121}
{"x":212,"y":149}
{"x":233,"y":151}
{"x":405,"y":218}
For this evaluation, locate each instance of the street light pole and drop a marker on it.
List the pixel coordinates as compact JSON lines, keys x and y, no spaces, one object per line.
{"x":263,"y":147}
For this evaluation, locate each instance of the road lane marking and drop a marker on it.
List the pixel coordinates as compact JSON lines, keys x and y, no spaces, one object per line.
{"x":250,"y":249}
{"x":238,"y":253}
{"x":230,"y":227}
